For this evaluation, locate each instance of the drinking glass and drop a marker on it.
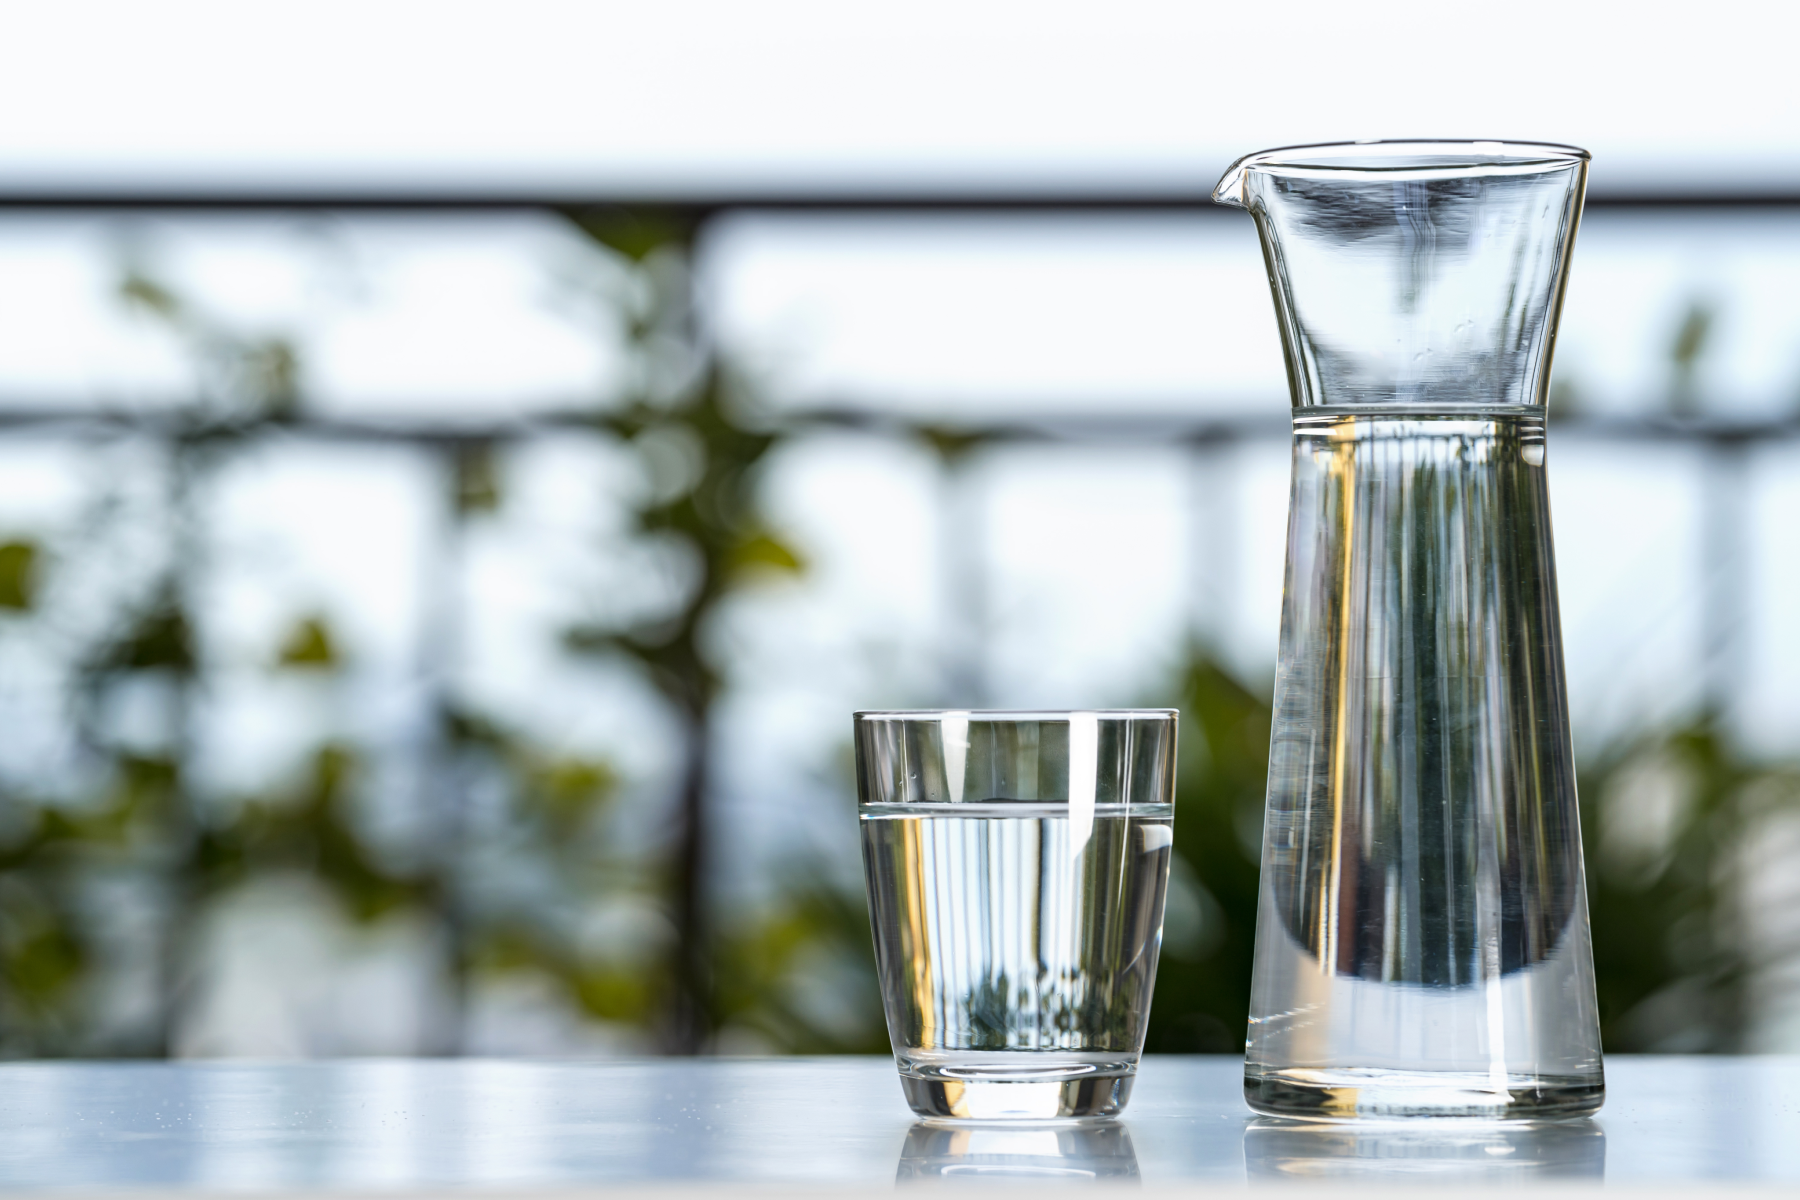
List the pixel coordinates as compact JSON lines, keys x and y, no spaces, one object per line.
{"x":1017,"y":864}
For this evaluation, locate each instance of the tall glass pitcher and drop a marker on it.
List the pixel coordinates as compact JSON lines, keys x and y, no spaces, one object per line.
{"x":1422,"y":943}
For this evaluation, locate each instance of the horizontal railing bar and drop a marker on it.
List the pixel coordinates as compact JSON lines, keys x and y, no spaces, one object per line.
{"x":1074,"y":427}
{"x":701,"y":207}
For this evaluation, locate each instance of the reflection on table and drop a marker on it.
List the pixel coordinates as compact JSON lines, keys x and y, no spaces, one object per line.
{"x":447,"y":1124}
{"x":1425,"y":1151}
{"x":1064,"y":1152}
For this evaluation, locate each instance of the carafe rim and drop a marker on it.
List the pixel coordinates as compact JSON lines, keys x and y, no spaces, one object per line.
{"x":1400,"y":158}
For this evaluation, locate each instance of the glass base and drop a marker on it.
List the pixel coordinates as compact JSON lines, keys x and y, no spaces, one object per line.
{"x":1362,"y":1093}
{"x":999,"y":1095}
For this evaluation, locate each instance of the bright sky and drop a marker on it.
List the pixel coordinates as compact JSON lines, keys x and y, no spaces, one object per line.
{"x":705,"y":94}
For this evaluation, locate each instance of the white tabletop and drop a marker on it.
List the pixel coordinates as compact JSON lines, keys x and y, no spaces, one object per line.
{"x":525,"y":1124}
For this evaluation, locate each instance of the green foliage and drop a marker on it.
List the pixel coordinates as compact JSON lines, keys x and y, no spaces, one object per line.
{"x":18,"y":575}
{"x":157,"y":637}
{"x":952,"y":446}
{"x":711,"y":510}
{"x":309,"y":644}
{"x":142,"y":291}
{"x":49,"y":939}
{"x":1692,"y":335}
{"x":309,"y":827}
{"x":42,"y":960}
{"x":1202,"y":996}
{"x":137,"y":815}
{"x":552,"y":826}
{"x":701,"y":445}
{"x":268,"y":369}
{"x":763,"y":553}
{"x":245,"y":379}
{"x":565,"y":793}
{"x":636,"y":233}
{"x":1686,"y":348}
{"x":1667,"y":823}
{"x":477,"y":480}
{"x":800,"y":975}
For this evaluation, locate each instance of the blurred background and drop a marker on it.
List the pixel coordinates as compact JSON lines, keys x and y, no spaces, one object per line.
{"x":460,"y":466}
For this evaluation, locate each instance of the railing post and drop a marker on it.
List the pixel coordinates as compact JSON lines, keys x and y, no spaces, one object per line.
{"x":1725,"y":571}
{"x":962,"y":564}
{"x":1213,"y":553}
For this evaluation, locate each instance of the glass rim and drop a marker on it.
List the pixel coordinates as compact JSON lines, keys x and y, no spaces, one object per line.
{"x":1402,"y":158}
{"x":1012,"y":715}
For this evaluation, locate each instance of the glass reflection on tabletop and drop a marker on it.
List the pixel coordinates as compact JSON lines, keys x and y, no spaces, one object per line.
{"x":1426,"y":1151}
{"x":1050,"y":1153}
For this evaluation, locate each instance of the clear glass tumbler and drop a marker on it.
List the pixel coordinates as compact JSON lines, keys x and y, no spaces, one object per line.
{"x":1017,"y":865}
{"x":1422,"y":943}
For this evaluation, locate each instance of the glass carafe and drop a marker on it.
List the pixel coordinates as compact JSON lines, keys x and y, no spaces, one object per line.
{"x":1422,"y":942}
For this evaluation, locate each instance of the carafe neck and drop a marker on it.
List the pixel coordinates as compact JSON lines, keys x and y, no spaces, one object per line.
{"x":1416,"y":276}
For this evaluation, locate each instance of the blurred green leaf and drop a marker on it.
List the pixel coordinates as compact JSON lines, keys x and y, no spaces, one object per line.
{"x":1692,"y":335}
{"x":270,"y":371}
{"x":310,"y":826}
{"x":504,"y":948}
{"x":590,"y":639}
{"x":636,"y":233}
{"x":41,"y":956}
{"x":477,"y":479}
{"x":567,"y":792}
{"x":18,"y":575}
{"x":950,"y":445}
{"x":309,"y":644}
{"x":148,"y":788}
{"x":158,"y":638}
{"x":139,"y":289}
{"x":1690,"y":342}
{"x":763,"y":552}
{"x":244,"y":379}
{"x":616,"y":994}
